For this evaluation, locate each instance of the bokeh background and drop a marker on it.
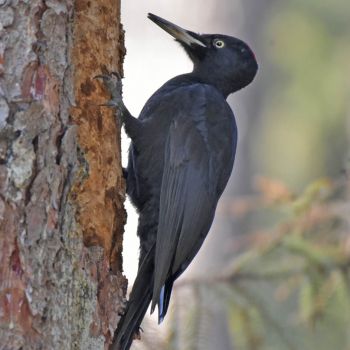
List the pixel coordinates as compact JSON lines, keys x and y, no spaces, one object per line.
{"x":274,"y":270}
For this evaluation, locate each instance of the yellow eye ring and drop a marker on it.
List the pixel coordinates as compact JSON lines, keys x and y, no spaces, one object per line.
{"x":219,"y":44}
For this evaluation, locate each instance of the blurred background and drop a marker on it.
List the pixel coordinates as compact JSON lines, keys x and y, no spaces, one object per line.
{"x":274,"y":270}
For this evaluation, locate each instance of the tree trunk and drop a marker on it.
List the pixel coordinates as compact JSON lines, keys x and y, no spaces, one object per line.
{"x":61,"y":184}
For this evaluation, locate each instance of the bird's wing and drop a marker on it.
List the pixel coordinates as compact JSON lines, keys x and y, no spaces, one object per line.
{"x":189,"y":192}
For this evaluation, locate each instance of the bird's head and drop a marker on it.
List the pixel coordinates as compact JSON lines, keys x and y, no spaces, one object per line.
{"x":220,"y":60}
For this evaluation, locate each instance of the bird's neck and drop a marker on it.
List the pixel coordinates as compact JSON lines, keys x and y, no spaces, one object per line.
{"x":224,"y":86}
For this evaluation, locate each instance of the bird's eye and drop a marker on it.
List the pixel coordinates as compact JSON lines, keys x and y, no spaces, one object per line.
{"x":243,"y":49}
{"x":219,"y":44}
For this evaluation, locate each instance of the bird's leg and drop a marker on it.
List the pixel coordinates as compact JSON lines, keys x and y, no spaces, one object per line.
{"x":123,"y":307}
{"x":113,"y":83}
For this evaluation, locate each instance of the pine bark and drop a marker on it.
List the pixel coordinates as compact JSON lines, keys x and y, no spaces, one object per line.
{"x":61,"y":184}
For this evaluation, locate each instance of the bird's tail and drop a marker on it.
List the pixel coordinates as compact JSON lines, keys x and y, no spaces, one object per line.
{"x":140,"y":298}
{"x":164,"y":299}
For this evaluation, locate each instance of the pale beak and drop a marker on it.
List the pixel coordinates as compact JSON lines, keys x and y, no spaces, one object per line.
{"x":184,"y":36}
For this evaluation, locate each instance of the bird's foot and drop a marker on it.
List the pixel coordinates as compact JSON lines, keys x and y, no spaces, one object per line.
{"x":113,"y":83}
{"x":137,"y":334}
{"x":123,"y":306}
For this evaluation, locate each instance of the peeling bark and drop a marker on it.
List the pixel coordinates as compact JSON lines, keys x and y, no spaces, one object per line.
{"x":61,"y":184}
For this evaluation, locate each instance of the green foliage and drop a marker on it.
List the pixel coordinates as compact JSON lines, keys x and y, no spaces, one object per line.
{"x":293,"y":291}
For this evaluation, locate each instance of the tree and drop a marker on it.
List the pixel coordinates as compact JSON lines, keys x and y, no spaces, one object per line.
{"x":61,"y":184}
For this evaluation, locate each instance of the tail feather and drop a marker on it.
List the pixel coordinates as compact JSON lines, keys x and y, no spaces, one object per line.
{"x":140,"y":298}
{"x":131,"y":325}
{"x":164,"y":299}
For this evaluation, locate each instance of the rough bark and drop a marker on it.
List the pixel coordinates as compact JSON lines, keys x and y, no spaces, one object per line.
{"x":61,"y":185}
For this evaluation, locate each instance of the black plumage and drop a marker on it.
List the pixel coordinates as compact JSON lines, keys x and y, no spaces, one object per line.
{"x":181,"y":156}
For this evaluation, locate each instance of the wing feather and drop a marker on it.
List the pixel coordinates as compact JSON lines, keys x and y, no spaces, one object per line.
{"x":197,"y":164}
{"x":185,"y":201}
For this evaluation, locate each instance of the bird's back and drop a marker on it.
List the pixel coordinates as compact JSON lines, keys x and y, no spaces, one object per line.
{"x":202,"y":111}
{"x":180,"y":96}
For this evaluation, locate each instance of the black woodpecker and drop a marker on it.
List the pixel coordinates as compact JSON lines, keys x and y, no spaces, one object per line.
{"x":180,"y":159}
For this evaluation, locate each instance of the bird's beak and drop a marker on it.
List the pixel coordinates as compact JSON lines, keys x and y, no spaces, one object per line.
{"x":183,"y":36}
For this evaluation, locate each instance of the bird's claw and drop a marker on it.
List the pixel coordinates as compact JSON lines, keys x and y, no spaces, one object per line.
{"x":113,"y":83}
{"x":122,"y":308}
{"x":137,"y":334}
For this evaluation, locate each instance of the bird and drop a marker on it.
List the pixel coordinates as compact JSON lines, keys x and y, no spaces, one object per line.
{"x":183,"y":146}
